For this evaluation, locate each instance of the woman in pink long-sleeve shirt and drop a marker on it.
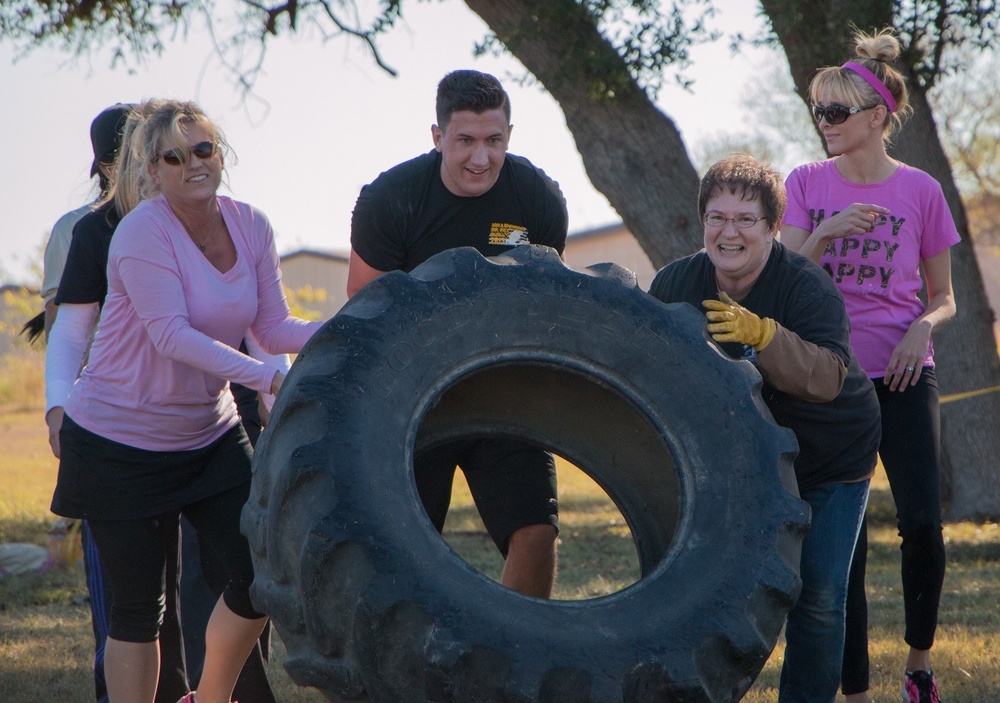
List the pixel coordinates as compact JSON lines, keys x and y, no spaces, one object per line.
{"x":150,"y":428}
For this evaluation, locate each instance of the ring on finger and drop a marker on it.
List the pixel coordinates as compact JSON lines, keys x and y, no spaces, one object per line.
{"x":911,"y":369}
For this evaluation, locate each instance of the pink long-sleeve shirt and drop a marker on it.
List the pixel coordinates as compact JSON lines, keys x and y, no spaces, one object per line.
{"x":166,"y":346}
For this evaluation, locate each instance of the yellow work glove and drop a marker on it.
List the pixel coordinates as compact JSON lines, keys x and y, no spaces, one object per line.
{"x":728,"y":321}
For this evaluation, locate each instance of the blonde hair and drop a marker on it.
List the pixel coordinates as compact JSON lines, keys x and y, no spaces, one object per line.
{"x":875,"y":52}
{"x":152,"y":125}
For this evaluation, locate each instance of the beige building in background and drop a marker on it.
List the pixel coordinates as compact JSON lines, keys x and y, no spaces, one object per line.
{"x":612,"y":243}
{"x":320,"y":271}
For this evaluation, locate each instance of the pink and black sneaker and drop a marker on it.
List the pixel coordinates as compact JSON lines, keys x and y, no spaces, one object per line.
{"x":920,"y":687}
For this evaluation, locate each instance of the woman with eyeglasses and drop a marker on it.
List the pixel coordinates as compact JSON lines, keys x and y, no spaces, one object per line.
{"x":781,"y":312}
{"x":151,"y":430}
{"x":873,"y":223}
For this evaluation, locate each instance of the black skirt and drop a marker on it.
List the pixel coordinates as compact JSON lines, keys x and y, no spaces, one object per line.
{"x":105,"y":480}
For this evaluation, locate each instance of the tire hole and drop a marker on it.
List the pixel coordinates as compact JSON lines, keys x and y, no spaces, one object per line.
{"x":601,"y":437}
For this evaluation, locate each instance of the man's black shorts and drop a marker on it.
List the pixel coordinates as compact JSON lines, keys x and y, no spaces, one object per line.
{"x":513,"y":484}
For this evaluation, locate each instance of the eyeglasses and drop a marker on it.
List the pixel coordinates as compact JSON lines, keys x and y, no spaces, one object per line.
{"x":716,"y":219}
{"x":203,"y":150}
{"x":837,"y":113}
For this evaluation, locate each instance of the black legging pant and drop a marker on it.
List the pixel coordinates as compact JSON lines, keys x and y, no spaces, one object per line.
{"x":910,"y":453}
{"x":134,"y":554}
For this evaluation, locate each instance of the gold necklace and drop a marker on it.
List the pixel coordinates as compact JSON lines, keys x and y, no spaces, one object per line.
{"x":203,"y":245}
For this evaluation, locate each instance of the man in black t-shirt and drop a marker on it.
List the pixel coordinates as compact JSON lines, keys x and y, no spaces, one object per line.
{"x":468,"y":191}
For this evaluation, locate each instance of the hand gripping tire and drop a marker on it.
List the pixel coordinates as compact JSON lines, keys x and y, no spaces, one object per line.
{"x":374,"y":606}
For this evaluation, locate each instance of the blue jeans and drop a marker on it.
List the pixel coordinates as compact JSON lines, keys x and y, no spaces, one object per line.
{"x":814,"y":631}
{"x":98,"y":612}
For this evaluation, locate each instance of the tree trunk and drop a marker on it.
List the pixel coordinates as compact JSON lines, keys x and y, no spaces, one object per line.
{"x":966,"y":350}
{"x":813,"y":35}
{"x":632,"y":152}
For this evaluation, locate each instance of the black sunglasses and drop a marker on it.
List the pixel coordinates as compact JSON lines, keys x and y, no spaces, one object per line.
{"x":836,"y":113}
{"x":203,"y":150}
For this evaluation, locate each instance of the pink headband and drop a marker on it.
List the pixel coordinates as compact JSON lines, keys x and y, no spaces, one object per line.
{"x":872,"y":80}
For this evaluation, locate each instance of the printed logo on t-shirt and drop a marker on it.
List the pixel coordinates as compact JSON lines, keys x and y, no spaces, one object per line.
{"x":508,"y":235}
{"x":876,"y":251}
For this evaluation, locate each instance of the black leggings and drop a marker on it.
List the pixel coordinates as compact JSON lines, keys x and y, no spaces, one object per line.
{"x":911,"y":454}
{"x":134,"y":554}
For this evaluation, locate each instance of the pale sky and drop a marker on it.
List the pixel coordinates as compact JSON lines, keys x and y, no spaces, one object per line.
{"x":323,"y":121}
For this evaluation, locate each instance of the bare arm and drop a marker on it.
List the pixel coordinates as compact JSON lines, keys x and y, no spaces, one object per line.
{"x":798,"y":239}
{"x":941,"y":307}
{"x":359,"y":274}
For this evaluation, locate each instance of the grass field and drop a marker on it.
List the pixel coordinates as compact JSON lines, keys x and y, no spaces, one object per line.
{"x":46,"y":641}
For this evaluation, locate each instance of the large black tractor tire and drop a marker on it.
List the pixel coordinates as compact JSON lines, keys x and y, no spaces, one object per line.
{"x":373,"y":605}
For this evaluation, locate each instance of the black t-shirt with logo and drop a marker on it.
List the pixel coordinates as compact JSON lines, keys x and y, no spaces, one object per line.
{"x":407,"y":215}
